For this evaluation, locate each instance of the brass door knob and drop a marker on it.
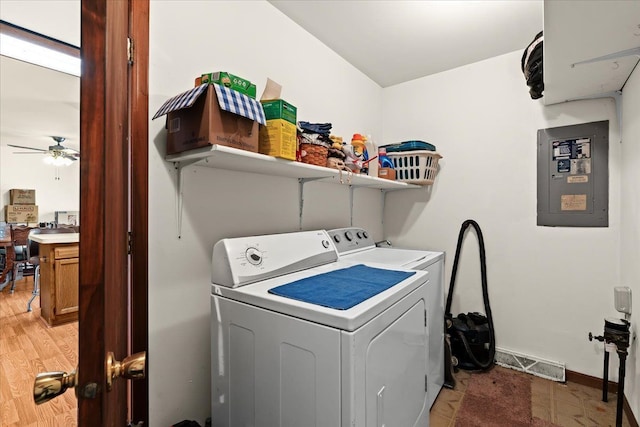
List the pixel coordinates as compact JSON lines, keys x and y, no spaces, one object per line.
{"x":52,"y":384}
{"x":132,"y":367}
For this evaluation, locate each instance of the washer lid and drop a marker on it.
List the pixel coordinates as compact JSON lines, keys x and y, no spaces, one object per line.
{"x":405,"y":258}
{"x":257,"y":294}
{"x":344,"y":288}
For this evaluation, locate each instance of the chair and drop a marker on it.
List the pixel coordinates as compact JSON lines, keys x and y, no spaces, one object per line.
{"x":19,"y":241}
{"x":6,"y":251}
{"x":33,"y":254}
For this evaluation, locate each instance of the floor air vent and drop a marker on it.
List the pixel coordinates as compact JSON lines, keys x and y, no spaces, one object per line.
{"x":532,"y":365}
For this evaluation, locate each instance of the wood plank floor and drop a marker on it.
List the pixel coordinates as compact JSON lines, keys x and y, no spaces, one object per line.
{"x":27,"y":347}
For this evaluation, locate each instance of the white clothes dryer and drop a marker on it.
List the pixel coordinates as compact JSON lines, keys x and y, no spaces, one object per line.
{"x":356,"y":245}
{"x":284,"y":361}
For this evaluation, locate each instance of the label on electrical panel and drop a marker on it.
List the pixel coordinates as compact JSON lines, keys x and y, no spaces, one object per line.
{"x":573,"y":156}
{"x":578,"y":148}
{"x":610,"y":347}
{"x":578,"y":179}
{"x":564,"y":165}
{"x":580,"y":166}
{"x":573,"y":202}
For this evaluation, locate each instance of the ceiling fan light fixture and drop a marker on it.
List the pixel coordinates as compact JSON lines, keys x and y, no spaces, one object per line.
{"x":57,"y":161}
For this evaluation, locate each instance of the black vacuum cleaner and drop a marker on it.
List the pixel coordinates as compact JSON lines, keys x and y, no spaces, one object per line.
{"x":470,"y":337}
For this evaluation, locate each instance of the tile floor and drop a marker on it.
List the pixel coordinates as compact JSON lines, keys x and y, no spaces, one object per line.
{"x":567,"y":404}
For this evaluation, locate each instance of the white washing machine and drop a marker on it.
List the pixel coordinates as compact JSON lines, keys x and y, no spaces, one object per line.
{"x":317,"y":356}
{"x":355,"y":244}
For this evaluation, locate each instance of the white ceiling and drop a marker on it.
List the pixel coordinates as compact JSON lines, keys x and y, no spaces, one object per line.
{"x":397,"y":41}
{"x":37,"y":103}
{"x":390,"y":41}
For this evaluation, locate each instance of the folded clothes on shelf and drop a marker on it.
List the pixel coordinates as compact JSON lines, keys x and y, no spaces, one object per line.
{"x":321,"y":128}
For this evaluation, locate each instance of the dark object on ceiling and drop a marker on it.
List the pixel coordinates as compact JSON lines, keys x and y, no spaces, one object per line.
{"x":531,"y":66}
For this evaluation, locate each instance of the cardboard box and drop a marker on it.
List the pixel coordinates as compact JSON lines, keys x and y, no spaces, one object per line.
{"x":231,"y":81}
{"x":21,"y":213}
{"x":279,"y":109}
{"x":206,"y":123}
{"x":278,"y":139}
{"x":387,"y":173}
{"x":22,"y":197}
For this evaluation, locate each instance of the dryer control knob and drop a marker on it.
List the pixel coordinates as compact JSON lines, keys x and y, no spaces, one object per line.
{"x":365,"y":234}
{"x":359,"y":234}
{"x":253,"y":255}
{"x":325,"y":243}
{"x":337,"y":238}
{"x":348,"y":235}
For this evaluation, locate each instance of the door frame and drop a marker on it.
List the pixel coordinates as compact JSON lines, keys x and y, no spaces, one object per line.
{"x":139,"y":297}
{"x":114,"y":119}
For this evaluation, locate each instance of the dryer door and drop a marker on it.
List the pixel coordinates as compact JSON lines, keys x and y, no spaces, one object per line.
{"x":396,"y":369}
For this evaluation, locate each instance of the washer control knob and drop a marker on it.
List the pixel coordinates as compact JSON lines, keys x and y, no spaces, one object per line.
{"x":349,"y":235}
{"x":325,"y":243}
{"x":359,"y":234}
{"x":365,"y":234}
{"x":254,"y":256}
{"x":336,"y":238}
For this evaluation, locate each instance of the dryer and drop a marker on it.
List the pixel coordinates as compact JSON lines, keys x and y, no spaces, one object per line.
{"x":280,"y":360}
{"x":356,"y":245}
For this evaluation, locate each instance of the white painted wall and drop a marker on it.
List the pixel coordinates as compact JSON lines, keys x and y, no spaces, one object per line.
{"x":188,"y":39}
{"x":630,"y":223}
{"x":29,"y":171}
{"x":548,"y":286}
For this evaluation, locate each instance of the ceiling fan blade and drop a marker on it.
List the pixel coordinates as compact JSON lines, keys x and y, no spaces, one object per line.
{"x":27,"y":148}
{"x":68,"y":156}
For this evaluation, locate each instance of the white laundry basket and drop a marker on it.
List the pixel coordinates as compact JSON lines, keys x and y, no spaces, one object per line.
{"x":415,"y":167}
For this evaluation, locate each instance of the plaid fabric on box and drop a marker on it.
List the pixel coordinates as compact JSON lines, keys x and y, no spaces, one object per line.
{"x":183,"y":100}
{"x":237,"y":103}
{"x":228,"y":99}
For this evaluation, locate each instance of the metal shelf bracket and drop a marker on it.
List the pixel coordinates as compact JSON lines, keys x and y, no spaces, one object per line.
{"x":179,"y":167}
{"x":301,"y":182}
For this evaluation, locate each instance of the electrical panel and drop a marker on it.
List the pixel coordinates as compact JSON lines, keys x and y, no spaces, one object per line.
{"x":573,"y":175}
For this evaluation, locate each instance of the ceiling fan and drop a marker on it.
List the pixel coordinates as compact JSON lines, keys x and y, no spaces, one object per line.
{"x":57,"y":155}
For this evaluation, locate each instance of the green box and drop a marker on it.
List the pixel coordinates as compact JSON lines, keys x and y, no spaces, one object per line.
{"x":279,"y":109}
{"x":231,"y":81}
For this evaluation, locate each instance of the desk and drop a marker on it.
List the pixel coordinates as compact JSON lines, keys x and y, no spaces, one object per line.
{"x":58,"y":276}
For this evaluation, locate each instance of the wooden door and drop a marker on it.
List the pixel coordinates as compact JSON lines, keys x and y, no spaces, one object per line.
{"x":113,"y":167}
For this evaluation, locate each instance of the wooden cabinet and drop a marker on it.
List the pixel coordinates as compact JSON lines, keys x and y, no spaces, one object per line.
{"x":59,"y":282}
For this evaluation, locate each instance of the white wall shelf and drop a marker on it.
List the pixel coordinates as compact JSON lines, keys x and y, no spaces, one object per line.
{"x":221,"y":157}
{"x":229,"y":158}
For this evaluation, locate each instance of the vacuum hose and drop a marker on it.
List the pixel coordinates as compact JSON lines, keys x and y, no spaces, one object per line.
{"x":485,"y":295}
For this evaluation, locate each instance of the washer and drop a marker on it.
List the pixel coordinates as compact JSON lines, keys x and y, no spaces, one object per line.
{"x":356,"y":244}
{"x":278,"y":361}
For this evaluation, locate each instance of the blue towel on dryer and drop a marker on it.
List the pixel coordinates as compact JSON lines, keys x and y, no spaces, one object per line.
{"x":342,"y":289}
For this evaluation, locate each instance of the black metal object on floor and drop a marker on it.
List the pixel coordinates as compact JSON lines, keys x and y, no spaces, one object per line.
{"x":616,"y":331}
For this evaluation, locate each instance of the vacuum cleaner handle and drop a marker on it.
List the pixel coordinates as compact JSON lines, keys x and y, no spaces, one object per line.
{"x":485,"y":292}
